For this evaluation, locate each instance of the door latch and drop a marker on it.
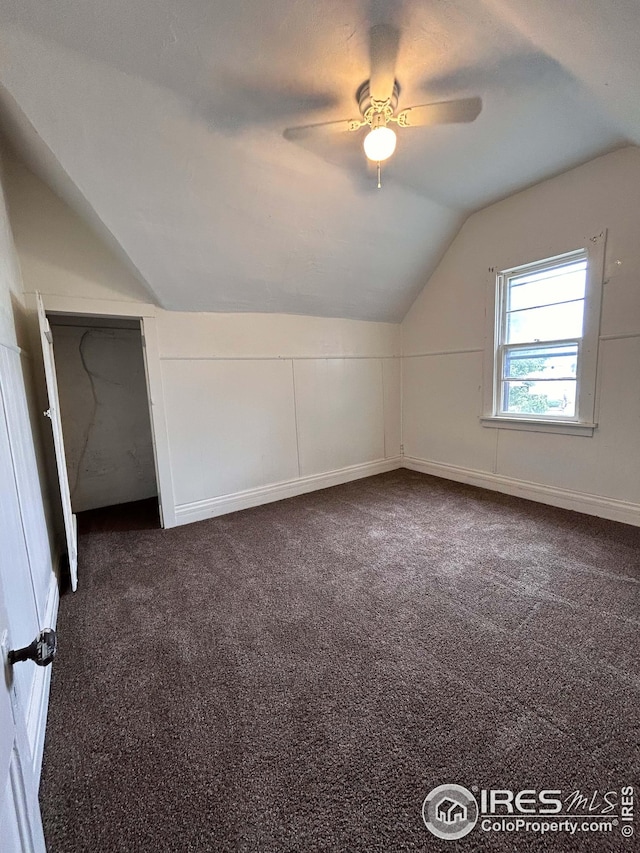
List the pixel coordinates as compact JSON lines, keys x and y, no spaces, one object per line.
{"x":41,"y":651}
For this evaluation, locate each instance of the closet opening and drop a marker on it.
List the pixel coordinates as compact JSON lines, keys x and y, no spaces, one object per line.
{"x":106,"y":423}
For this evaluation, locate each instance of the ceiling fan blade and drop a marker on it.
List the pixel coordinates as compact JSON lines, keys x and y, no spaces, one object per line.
{"x":446,"y":112}
{"x":325,"y":128}
{"x":384,"y":41}
{"x":232,"y":101}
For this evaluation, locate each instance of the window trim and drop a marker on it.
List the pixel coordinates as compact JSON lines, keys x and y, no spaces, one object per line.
{"x":584,"y":421}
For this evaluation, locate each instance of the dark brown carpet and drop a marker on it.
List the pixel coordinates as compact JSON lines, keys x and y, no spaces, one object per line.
{"x":298,"y":676}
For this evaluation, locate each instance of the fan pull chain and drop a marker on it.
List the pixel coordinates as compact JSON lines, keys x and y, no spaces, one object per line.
{"x":379,"y":170}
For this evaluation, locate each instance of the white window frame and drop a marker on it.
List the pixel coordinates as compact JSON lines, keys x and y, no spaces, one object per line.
{"x":584,"y":420}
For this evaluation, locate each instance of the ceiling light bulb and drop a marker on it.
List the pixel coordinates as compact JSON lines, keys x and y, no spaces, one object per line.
{"x":380,"y":143}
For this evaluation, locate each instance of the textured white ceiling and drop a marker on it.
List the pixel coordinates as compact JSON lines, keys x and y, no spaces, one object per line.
{"x":161,"y":121}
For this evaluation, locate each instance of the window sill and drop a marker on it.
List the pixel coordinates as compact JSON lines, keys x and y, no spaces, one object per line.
{"x":539,"y":425}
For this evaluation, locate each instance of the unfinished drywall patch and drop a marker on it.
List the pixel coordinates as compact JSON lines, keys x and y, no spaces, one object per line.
{"x":105,"y":412}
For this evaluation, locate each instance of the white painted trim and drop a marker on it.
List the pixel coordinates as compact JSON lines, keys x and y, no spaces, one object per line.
{"x":539,"y":425}
{"x":96,"y":307}
{"x":593,"y":248}
{"x":295,"y":415}
{"x":402,"y":370}
{"x":157,"y":413}
{"x":212,"y":507}
{"x":39,"y":699}
{"x":603,"y":507}
{"x":24,"y":794}
{"x":621,"y":337}
{"x":320,"y":357}
{"x":13,"y":348}
{"x":146,"y":313}
{"x":384,"y":411}
{"x":444,"y":352}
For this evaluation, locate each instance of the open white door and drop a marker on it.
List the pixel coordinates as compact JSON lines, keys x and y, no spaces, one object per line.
{"x":53,"y":413}
{"x":20,"y":822}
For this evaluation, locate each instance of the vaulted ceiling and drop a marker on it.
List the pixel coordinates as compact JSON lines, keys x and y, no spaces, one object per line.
{"x":162,"y":122}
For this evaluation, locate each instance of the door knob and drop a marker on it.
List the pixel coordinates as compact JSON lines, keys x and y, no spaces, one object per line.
{"x":41,"y":651}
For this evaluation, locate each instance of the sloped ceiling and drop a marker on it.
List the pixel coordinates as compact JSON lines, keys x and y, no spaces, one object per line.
{"x":161,"y":122}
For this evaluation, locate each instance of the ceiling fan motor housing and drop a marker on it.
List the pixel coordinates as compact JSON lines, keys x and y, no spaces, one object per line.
{"x":369,"y":107}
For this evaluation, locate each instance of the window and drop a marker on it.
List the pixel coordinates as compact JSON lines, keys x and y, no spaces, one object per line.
{"x":544,"y":343}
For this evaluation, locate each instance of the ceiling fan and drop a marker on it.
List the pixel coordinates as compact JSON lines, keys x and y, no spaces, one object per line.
{"x":377,"y":99}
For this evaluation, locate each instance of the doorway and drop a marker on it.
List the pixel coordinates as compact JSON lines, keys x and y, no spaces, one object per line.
{"x":106,"y":424}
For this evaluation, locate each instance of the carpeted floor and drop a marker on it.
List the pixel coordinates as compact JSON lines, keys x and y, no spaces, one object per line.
{"x":297,"y":677}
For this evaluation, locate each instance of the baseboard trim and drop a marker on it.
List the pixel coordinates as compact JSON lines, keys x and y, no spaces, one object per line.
{"x":39,"y":699}
{"x":615,"y":510}
{"x":212,"y":507}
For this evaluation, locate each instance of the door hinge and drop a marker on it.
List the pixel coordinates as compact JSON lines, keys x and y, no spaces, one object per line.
{"x":47,"y":414}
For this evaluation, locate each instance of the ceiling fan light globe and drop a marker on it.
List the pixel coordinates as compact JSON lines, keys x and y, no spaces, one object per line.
{"x":379,"y":144}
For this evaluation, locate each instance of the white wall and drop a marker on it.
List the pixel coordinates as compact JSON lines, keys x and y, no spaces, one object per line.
{"x":444,"y":338}
{"x":257,"y":406}
{"x":262,"y":406}
{"x":105,"y":414}
{"x":58,"y":252}
{"x":253,"y":401}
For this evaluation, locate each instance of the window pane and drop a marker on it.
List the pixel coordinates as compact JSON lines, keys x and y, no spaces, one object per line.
{"x":549,"y":272}
{"x":559,"y":285}
{"x":546,"y":399}
{"x":547,"y":363}
{"x":545,"y":324}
